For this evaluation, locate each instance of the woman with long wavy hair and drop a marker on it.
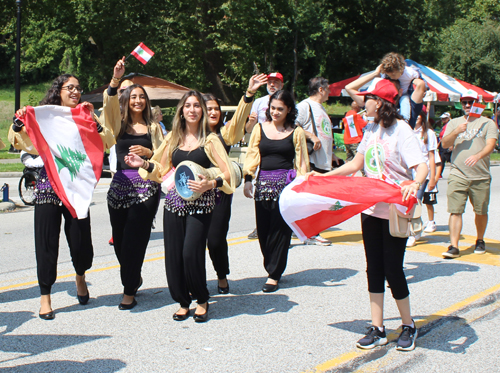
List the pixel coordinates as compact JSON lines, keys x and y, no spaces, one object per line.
{"x":229,"y":134}
{"x":186,"y":223}
{"x":132,"y":202}
{"x":278,"y":147}
{"x":49,"y":210}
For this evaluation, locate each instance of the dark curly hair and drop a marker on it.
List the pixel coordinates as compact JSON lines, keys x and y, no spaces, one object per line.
{"x":287,"y":98}
{"x":210,"y":97}
{"x":53,"y":95}
{"x":386,"y":113}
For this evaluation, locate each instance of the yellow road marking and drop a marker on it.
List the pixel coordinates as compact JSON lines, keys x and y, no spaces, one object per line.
{"x":348,"y":356}
{"x":117,"y":265}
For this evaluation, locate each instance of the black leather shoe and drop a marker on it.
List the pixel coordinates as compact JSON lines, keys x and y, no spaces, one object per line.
{"x":223,"y":290}
{"x":83,"y":299}
{"x":47,"y":316}
{"x":201,"y":318}
{"x":270,"y":288}
{"x":178,"y":317}
{"x":123,"y":306}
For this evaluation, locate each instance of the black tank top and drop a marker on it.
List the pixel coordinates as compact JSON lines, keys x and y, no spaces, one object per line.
{"x":125,"y":142}
{"x":197,"y":156}
{"x":276,"y":154}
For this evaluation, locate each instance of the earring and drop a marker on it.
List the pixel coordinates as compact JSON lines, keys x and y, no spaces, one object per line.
{"x":182,"y":116}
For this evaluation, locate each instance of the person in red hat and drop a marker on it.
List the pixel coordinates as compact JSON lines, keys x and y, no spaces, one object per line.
{"x":473,"y":139}
{"x":259,"y":107}
{"x":389,"y":150}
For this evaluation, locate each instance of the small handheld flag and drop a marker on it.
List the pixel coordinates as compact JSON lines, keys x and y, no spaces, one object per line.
{"x":476,"y":110}
{"x":142,"y":53}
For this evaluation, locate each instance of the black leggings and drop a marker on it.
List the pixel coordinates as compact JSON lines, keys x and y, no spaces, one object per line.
{"x":384,"y":257}
{"x":274,"y":237}
{"x":217,"y":236}
{"x":48,"y":219}
{"x":185,"y":240}
{"x":131,"y":229}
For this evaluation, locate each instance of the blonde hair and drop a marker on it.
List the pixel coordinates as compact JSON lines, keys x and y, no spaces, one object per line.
{"x":155,"y":111}
{"x":179,"y":123}
{"x":393,"y":62}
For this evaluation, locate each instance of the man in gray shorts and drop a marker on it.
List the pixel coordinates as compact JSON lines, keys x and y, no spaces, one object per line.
{"x":473,"y":140}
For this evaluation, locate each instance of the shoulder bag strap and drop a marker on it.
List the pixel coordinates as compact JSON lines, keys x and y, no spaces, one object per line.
{"x":312,"y":119}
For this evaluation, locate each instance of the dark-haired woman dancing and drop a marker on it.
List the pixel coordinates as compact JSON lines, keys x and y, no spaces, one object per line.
{"x":279,"y":148}
{"x":49,"y":210}
{"x":132,"y":201}
{"x":229,"y":134}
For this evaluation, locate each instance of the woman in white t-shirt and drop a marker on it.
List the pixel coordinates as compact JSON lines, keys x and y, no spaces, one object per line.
{"x":398,"y":153}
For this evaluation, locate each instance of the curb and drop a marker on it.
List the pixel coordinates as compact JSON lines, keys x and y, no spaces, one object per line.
{"x":7,"y":206}
{"x":11,"y":174}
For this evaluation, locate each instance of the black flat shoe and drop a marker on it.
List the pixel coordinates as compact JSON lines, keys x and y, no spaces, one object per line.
{"x":270,"y":288}
{"x":224,"y":290}
{"x":178,"y":317}
{"x":201,"y":318}
{"x":83,"y":299}
{"x":47,"y":316}
{"x":123,"y":306}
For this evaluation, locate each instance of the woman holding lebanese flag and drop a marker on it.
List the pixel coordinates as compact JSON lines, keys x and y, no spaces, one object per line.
{"x":388,"y":149}
{"x":132,"y":201}
{"x":65,"y":91}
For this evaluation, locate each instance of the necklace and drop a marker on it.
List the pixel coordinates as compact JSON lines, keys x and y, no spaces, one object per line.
{"x":192,"y":141}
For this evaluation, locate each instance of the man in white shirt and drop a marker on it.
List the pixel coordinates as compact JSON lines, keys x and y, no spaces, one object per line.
{"x":259,"y":107}
{"x":313,"y":118}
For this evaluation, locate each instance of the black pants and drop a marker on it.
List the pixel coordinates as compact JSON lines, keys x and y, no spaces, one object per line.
{"x":131,"y":229}
{"x":185,"y":240}
{"x":217,"y":234}
{"x":384,"y":257}
{"x":48,"y":219}
{"x":274,"y":237}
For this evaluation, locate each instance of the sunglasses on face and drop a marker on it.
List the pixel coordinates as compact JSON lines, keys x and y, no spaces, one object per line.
{"x":72,"y":88}
{"x":467,"y":102}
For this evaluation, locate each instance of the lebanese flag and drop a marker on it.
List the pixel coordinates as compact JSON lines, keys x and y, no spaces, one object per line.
{"x":142,"y":53}
{"x":353,"y":126}
{"x":476,"y":110}
{"x":72,"y":152}
{"x":311,"y":206}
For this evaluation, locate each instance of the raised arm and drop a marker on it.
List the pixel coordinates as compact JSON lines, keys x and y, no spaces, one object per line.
{"x":353,"y":87}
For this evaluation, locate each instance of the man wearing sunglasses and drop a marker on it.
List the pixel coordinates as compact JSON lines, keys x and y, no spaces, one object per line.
{"x":473,"y":140}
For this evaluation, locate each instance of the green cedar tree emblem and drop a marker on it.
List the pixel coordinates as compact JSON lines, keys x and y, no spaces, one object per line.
{"x":337,"y":206}
{"x":71,"y":159}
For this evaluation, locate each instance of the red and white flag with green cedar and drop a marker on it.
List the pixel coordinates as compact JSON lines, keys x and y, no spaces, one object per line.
{"x":143,"y":53}
{"x":72,"y":152}
{"x":320,"y":202}
{"x":476,"y":110}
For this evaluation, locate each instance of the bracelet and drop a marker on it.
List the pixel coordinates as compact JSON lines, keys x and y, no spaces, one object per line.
{"x":145,"y":164}
{"x":116,"y":79}
{"x":251,"y":92}
{"x":419,"y":184}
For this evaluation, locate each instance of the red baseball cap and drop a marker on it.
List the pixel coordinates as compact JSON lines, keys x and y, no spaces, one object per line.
{"x":276,"y":76}
{"x":382,"y":88}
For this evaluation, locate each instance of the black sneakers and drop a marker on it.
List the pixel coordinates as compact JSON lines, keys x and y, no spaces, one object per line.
{"x":452,"y":252}
{"x":374,"y":337}
{"x":480,"y":247}
{"x":406,"y":340}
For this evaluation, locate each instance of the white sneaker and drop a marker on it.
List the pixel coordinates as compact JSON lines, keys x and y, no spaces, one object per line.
{"x":430,"y":227}
{"x":411,"y":241}
{"x":317,"y":240}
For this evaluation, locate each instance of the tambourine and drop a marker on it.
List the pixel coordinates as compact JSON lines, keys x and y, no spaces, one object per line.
{"x":188,"y":170}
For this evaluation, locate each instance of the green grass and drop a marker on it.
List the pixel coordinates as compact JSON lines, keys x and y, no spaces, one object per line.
{"x":11,"y":167}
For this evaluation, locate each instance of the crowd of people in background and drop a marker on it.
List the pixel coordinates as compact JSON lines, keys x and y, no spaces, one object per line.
{"x":387,"y":135}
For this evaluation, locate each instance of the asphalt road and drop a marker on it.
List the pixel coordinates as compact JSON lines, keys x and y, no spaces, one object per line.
{"x":309,"y":325}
